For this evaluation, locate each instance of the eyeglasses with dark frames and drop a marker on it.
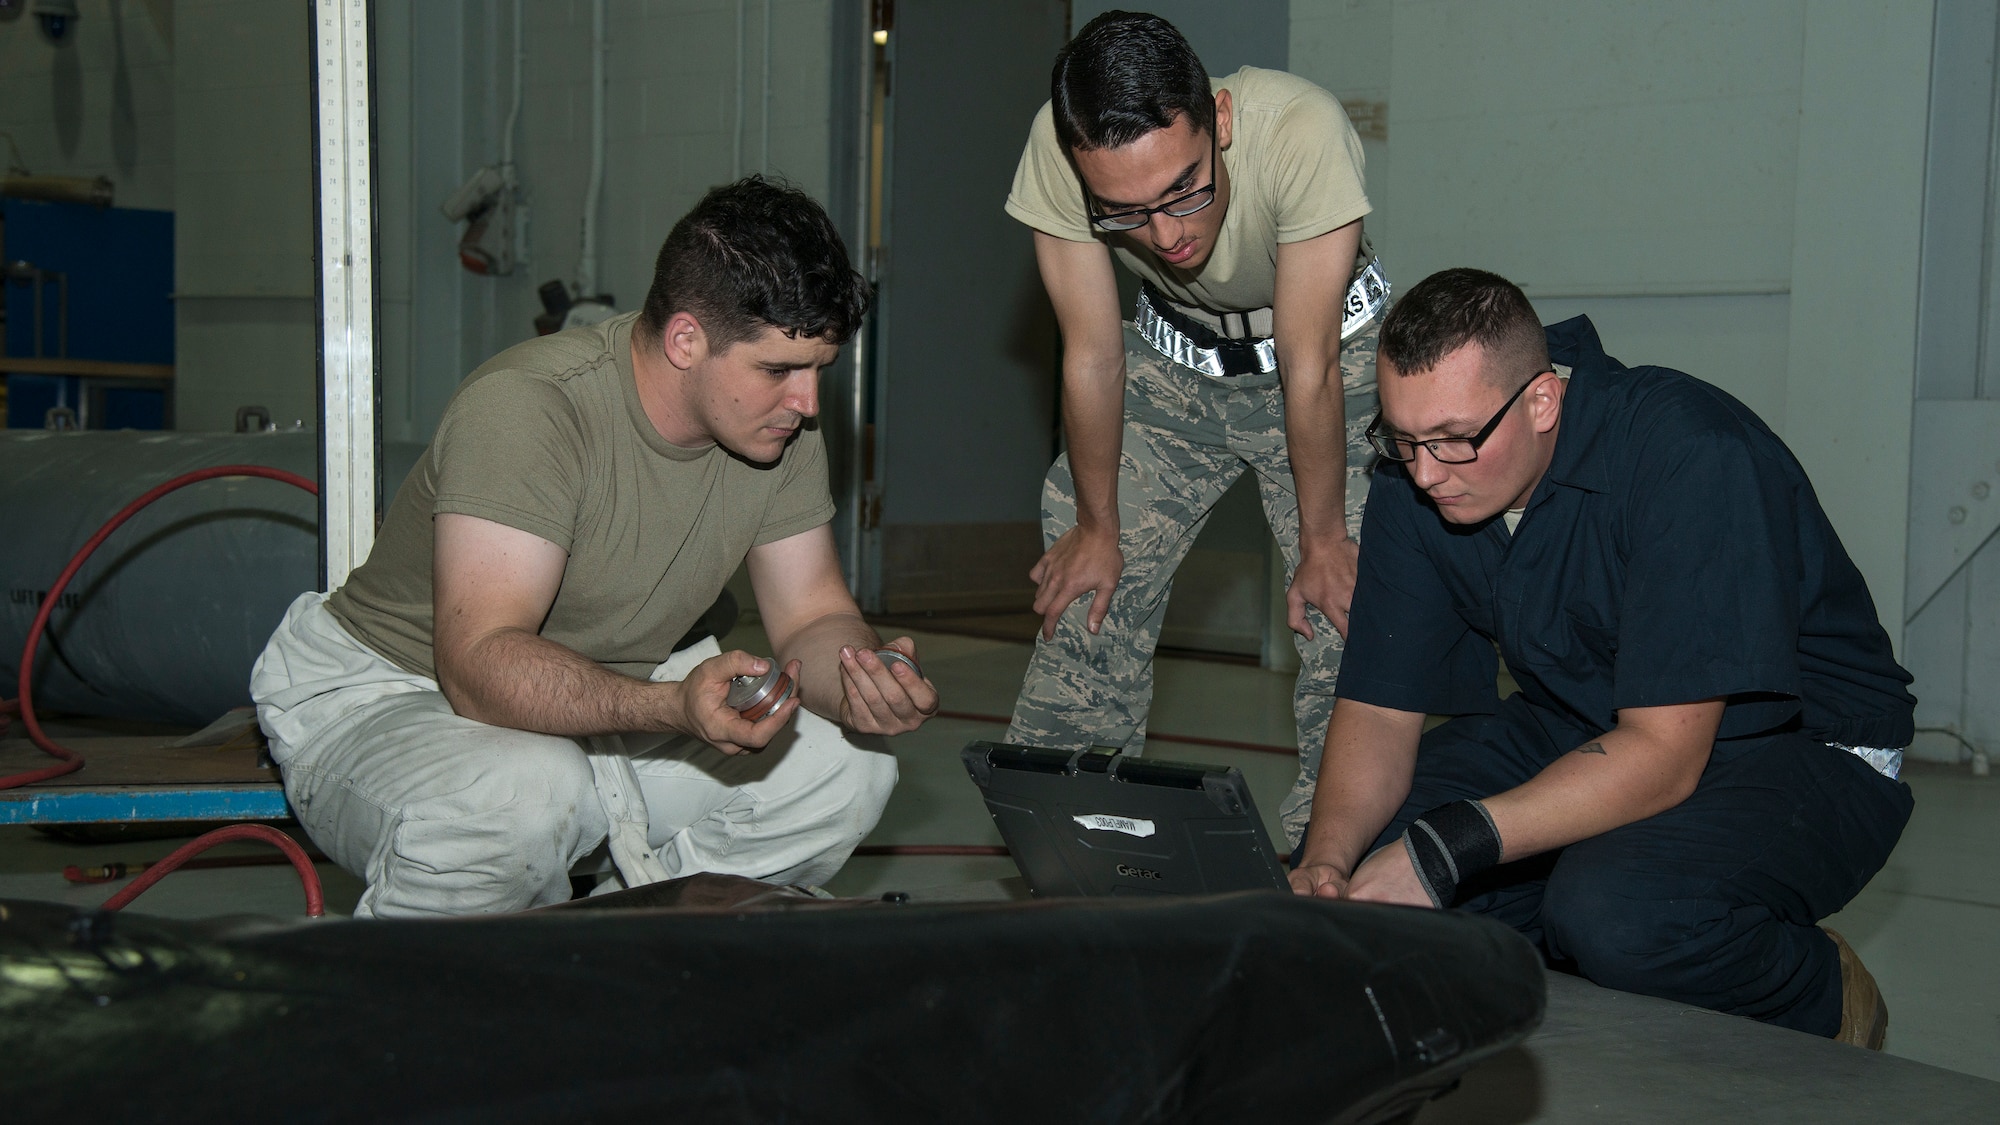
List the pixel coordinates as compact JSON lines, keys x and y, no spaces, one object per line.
{"x":1447,"y":451}
{"x":1179,"y":207}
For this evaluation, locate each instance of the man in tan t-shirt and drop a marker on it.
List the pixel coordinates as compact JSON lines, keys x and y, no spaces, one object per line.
{"x":495,"y":693}
{"x":1238,"y":202}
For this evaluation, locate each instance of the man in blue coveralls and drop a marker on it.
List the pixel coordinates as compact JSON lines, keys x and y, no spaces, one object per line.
{"x":1701,"y":762}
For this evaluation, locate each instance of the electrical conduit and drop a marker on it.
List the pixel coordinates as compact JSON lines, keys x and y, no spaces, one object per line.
{"x":586,"y":268}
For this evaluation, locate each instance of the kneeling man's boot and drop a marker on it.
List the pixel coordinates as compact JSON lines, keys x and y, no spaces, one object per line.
{"x":1864,"y":1015}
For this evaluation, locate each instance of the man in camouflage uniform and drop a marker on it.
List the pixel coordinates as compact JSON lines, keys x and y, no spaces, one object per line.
{"x":1238,"y":201}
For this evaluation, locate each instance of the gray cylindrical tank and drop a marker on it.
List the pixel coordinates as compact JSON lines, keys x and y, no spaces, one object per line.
{"x":164,"y":621}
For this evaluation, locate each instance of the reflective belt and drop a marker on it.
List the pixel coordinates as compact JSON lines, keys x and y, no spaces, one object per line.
{"x":1226,"y":359}
{"x":1366,"y":299}
{"x":1194,"y":346}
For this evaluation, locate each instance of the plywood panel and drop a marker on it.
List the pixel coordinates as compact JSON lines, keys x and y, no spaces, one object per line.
{"x":110,"y":762}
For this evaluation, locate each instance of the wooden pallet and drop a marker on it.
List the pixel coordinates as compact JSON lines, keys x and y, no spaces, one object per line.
{"x":146,"y":779}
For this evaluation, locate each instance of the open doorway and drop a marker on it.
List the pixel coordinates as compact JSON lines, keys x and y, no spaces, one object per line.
{"x":962,"y":402}
{"x":963,"y":375}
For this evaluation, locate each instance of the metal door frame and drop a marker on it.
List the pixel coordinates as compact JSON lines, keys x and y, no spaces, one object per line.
{"x":349,"y":300}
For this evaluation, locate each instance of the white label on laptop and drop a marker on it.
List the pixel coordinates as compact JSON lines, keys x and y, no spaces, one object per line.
{"x":1104,"y":822}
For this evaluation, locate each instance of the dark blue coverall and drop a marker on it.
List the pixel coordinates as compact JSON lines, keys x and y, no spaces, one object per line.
{"x":1673,"y":552}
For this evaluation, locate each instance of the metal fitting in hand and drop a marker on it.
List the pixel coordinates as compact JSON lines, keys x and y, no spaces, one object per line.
{"x":754,"y":697}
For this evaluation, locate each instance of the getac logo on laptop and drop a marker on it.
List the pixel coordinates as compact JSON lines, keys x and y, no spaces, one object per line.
{"x":1131,"y":872}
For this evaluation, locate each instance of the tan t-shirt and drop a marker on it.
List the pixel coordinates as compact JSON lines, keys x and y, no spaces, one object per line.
{"x":549,"y":437}
{"x":1294,"y":172}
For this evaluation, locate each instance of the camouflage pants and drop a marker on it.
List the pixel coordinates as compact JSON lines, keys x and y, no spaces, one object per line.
{"x":1187,"y":438}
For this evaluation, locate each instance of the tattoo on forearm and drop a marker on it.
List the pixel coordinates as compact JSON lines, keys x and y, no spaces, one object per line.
{"x":1592,"y":748}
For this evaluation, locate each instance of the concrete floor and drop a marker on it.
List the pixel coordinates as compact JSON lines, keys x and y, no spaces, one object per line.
{"x":1926,"y":926}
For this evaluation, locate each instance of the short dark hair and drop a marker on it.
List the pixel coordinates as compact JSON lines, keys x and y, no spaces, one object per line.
{"x":753,"y":254}
{"x":1455,"y":307}
{"x":1123,"y":76}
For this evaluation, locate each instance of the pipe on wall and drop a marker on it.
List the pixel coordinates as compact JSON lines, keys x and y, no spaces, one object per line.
{"x":514,"y":111}
{"x":764,"y":104}
{"x":586,"y":270}
{"x":736,"y":147}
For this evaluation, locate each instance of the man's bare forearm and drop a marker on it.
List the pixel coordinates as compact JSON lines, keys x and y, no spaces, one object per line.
{"x":1364,"y":778}
{"x":1630,"y":772}
{"x":816,"y":646}
{"x":1306,"y":325}
{"x":1316,"y":439}
{"x":514,"y":678}
{"x":1093,"y":408}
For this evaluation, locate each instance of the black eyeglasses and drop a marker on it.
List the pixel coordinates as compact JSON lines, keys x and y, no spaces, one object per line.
{"x":1448,"y":451}
{"x":1179,"y":208}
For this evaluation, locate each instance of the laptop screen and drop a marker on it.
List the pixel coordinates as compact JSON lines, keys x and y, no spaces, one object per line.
{"x":1094,"y":822}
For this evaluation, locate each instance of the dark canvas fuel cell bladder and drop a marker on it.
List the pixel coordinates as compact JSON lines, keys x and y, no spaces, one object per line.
{"x":1093,"y":822}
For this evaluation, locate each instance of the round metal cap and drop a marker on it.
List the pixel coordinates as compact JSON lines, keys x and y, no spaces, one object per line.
{"x":746,"y":692}
{"x":896,"y":656}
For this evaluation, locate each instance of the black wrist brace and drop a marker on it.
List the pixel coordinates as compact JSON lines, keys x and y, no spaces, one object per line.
{"x":1449,"y":845}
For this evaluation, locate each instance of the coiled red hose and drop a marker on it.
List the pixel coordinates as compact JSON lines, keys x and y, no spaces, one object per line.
{"x":25,"y":703}
{"x":72,"y":761}
{"x":302,"y":863}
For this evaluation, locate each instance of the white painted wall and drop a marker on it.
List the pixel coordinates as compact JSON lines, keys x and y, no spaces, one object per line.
{"x":1952,"y":599}
{"x":1343,"y":45}
{"x":1730,"y":187}
{"x":101,"y":103}
{"x":1740,"y":343}
{"x":420,"y":91}
{"x":675,"y":127}
{"x":1851,"y":383}
{"x":1634,"y":161}
{"x":200,"y":107}
{"x":243,"y":228}
{"x":1603,"y":148}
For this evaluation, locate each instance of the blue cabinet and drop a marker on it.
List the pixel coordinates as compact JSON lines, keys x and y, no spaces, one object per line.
{"x":105,"y":278}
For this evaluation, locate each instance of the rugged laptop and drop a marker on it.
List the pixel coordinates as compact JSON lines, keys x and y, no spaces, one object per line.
{"x":1095,"y":822}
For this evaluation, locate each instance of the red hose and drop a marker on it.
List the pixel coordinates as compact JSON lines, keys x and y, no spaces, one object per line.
{"x":315,"y":899}
{"x":25,"y":704}
{"x":116,"y":870}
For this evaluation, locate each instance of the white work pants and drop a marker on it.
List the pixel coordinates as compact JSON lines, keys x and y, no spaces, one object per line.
{"x":441,"y":814}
